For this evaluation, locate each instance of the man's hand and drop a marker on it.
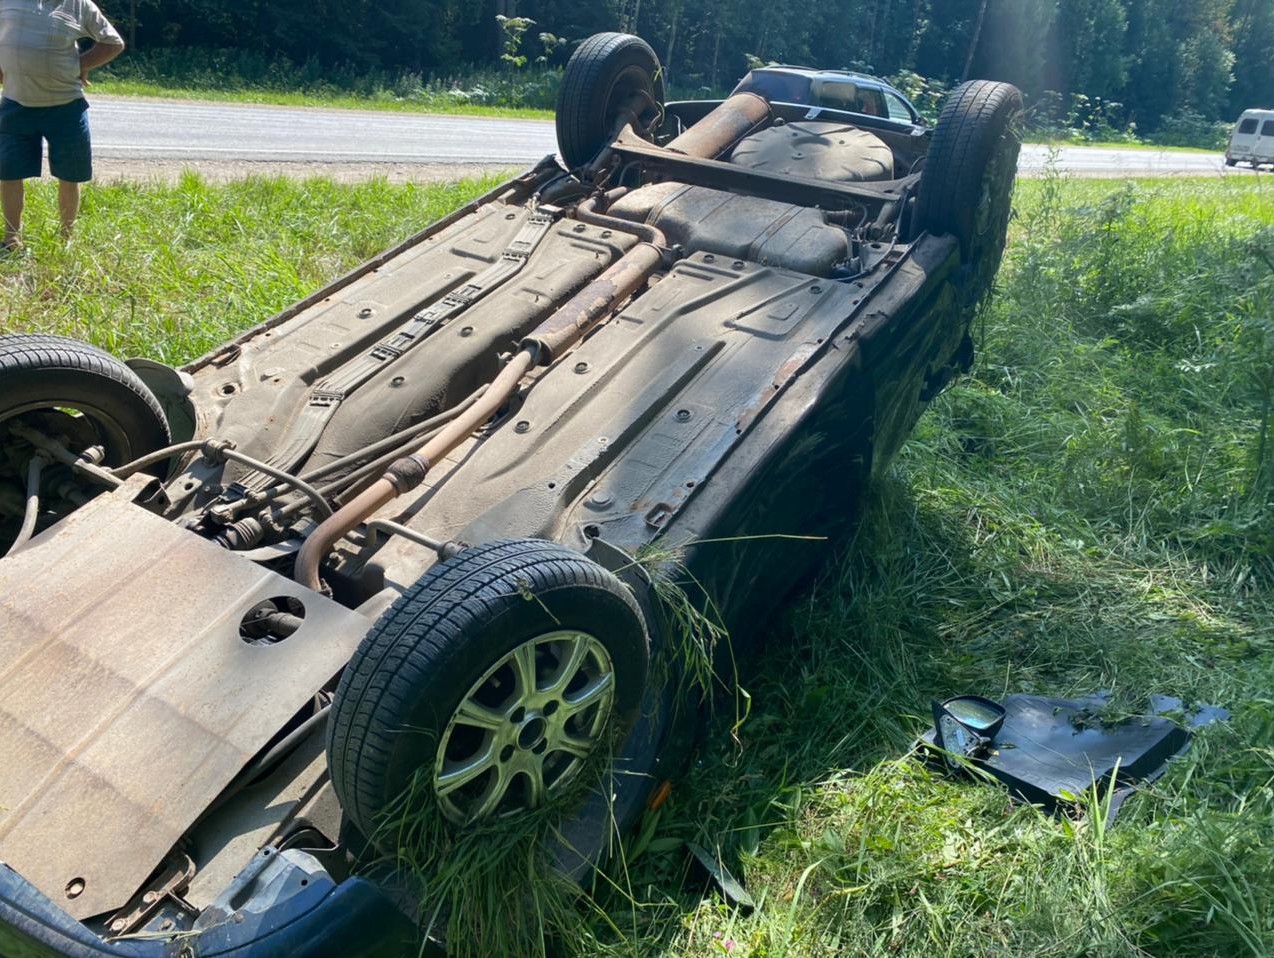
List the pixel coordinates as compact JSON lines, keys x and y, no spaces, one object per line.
{"x":99,"y":54}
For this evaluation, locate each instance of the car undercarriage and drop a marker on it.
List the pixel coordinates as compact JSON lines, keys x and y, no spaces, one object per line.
{"x":417,"y":500}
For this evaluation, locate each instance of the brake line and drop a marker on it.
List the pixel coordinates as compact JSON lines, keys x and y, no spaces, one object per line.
{"x":337,"y":486}
{"x":32,"y":512}
{"x":390,"y":446}
{"x":398,"y":439}
{"x":126,"y":470}
{"x":408,"y":472}
{"x":226,"y":450}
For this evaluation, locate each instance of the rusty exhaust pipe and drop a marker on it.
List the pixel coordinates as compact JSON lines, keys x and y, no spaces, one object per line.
{"x":586,"y":308}
{"x":725,"y":126}
{"x":547,"y":341}
{"x":407,"y":473}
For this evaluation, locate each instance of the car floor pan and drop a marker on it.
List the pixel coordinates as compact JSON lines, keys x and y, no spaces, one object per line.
{"x":128,"y":700}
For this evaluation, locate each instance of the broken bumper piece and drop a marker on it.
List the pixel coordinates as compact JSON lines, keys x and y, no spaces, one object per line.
{"x":1050,"y":751}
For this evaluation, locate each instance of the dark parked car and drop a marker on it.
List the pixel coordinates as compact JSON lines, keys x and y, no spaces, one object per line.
{"x":831,"y":90}
{"x":394,"y":536}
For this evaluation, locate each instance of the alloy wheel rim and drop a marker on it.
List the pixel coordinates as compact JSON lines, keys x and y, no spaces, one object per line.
{"x":525,"y":728}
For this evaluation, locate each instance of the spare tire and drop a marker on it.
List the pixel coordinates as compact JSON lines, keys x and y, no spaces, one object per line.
{"x":78,"y":395}
{"x":491,"y":679}
{"x":819,"y":151}
{"x":966,"y":187}
{"x":605,"y":71}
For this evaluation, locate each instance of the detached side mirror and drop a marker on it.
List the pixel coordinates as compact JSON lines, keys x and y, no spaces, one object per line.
{"x":966,"y":725}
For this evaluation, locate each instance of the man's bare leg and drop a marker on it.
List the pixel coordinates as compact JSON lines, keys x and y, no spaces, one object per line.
{"x":11,"y":196}
{"x":68,"y":205}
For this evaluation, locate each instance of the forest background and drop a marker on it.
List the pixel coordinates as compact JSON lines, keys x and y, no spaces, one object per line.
{"x":1169,"y":71}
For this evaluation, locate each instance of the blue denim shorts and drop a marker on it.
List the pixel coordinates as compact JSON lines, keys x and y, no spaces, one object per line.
{"x":65,"y":127}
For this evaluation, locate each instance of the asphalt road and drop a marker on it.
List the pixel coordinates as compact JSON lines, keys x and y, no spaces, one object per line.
{"x":127,"y":128}
{"x":170,"y":130}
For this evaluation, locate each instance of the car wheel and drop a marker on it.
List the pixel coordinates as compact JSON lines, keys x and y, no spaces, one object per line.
{"x":603,"y":74}
{"x":1230,"y":162}
{"x":494,"y":678}
{"x":76,"y":395}
{"x":967,"y":185}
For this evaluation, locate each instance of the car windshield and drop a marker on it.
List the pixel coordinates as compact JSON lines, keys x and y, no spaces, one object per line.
{"x":777,"y":86}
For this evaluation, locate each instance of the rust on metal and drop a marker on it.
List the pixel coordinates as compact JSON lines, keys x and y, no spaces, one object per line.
{"x":410,"y":468}
{"x":165,"y":889}
{"x":725,"y":126}
{"x":596,"y":300}
{"x":784,"y":187}
{"x":128,"y":701}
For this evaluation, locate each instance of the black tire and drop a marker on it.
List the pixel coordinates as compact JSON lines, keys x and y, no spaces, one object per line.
{"x":604,"y":72}
{"x":43,"y":376}
{"x":966,"y":187}
{"x":1230,"y":162}
{"x":425,"y":655}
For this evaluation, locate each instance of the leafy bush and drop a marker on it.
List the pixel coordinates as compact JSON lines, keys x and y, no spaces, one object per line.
{"x":925,"y":94}
{"x":1188,"y":128}
{"x":1079,"y":119}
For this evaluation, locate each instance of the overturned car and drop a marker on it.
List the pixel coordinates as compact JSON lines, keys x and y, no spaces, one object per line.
{"x":392,"y":535}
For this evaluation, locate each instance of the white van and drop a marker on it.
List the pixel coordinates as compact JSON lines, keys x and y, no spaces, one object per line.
{"x":1253,"y":139}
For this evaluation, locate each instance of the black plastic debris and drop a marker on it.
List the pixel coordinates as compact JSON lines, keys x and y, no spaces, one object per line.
{"x":1050,"y":751}
{"x":716,"y":869}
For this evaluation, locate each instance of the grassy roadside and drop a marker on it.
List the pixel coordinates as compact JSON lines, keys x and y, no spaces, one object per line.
{"x":438,"y":104}
{"x":1090,"y":509}
{"x":170,"y":271}
{"x":1116,"y":145}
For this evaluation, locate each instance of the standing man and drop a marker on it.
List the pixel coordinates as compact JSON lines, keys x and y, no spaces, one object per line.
{"x":44,"y":76}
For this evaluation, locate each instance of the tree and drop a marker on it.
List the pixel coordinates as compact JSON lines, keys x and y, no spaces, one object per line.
{"x":973,"y":41}
{"x":1089,"y":39}
{"x":1253,"y":56}
{"x":1001,"y":53}
{"x":1158,"y":57}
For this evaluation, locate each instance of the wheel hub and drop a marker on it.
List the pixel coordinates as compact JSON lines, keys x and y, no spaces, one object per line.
{"x":525,"y":728}
{"x":531,"y":732}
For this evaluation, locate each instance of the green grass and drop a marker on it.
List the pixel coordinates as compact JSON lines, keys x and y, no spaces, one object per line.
{"x":171,"y":271}
{"x":1090,"y":509}
{"x":1086,"y":511}
{"x":1115,"y":145}
{"x":435,"y":104}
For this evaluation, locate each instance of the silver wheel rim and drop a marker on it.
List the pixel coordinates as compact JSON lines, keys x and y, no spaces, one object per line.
{"x":525,"y":728}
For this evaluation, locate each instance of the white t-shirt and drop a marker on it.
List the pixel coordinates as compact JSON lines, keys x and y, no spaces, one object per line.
{"x":38,"y":55}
